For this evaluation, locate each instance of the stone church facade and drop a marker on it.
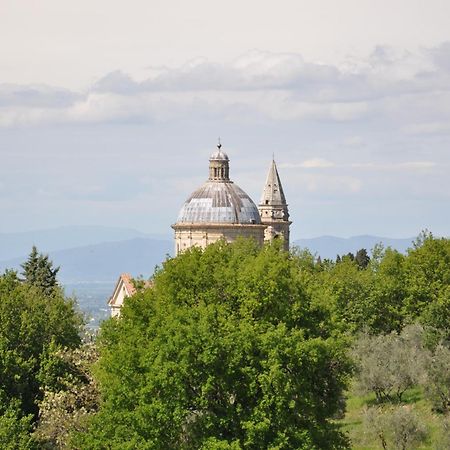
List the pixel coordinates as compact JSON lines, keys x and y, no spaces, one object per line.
{"x":219,"y":209}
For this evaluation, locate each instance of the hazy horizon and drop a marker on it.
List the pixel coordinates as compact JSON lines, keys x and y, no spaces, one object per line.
{"x":169,"y":234}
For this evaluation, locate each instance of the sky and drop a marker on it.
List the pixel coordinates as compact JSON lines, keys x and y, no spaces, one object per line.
{"x":109,"y":110}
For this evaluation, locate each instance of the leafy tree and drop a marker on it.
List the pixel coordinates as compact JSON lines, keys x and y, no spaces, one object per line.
{"x":29,"y":322}
{"x":362,"y":258}
{"x":437,"y":313}
{"x":38,"y":271}
{"x":437,"y":386}
{"x":349,"y":256}
{"x":394,"y":290}
{"x":374,"y":425}
{"x":443,"y":440}
{"x":389,"y":364}
{"x":427,"y":277}
{"x":15,"y":430}
{"x":424,"y":236}
{"x":358,"y":299}
{"x":223,"y":352}
{"x":348,"y":294}
{"x":387,"y":293}
{"x":378,"y":252}
{"x":395,"y":427}
{"x":70,"y":395}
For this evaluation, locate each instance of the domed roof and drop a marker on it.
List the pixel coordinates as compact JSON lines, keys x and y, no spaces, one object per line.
{"x":219,"y":155}
{"x":219,"y":202}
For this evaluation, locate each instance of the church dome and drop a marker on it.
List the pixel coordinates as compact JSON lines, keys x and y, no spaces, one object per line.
{"x":219,"y":200}
{"x":216,"y":202}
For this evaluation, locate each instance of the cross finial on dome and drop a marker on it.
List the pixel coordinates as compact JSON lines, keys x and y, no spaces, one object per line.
{"x":219,"y":145}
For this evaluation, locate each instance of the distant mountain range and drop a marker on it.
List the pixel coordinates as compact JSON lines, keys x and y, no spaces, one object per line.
{"x":100,"y":254}
{"x":13,"y":245}
{"x":104,"y":262}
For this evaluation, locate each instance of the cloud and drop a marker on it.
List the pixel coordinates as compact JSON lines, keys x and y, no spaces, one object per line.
{"x":384,"y":72}
{"x":255,"y":70}
{"x":409,"y":90}
{"x":41,"y":96}
{"x":441,"y":56}
{"x":320,"y":163}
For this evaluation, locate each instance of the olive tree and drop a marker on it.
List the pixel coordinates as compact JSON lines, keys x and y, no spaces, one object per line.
{"x":437,"y":386}
{"x":389,"y":364}
{"x":394,"y":427}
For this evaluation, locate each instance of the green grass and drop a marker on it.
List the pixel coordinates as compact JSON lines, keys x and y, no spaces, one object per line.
{"x":352,"y":423}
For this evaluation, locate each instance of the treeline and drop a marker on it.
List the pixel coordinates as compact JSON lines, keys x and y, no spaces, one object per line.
{"x":387,"y":291}
{"x":234,"y":347}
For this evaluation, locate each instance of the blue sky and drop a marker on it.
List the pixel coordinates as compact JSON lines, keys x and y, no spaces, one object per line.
{"x":108,"y":114}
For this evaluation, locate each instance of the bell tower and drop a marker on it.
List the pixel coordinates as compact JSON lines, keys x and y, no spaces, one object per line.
{"x":273,"y":208}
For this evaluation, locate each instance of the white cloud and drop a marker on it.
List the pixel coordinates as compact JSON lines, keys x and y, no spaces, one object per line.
{"x":405,"y":89}
{"x":35,"y":96}
{"x":321,"y":163}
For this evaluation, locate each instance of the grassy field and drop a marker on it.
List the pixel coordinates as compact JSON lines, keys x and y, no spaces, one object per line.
{"x":353,"y":422}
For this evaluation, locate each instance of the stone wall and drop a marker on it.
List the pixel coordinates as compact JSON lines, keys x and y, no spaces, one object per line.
{"x":202,"y":235}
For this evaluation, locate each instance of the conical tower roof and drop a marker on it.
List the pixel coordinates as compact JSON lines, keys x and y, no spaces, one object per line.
{"x":273,"y":190}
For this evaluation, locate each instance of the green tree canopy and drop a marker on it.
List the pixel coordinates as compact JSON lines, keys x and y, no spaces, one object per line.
{"x":15,"y":430}
{"x":30,"y":321}
{"x":38,"y":271}
{"x":224,"y":352}
{"x":362,"y":258}
{"x":427,"y":277}
{"x":392,"y":291}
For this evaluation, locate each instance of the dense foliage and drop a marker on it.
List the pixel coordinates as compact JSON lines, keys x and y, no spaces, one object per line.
{"x":389,"y":364}
{"x":225,"y":351}
{"x":392,"y":290}
{"x":34,"y":317}
{"x":70,"y":394}
{"x":234,"y":347}
{"x":29,"y":322}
